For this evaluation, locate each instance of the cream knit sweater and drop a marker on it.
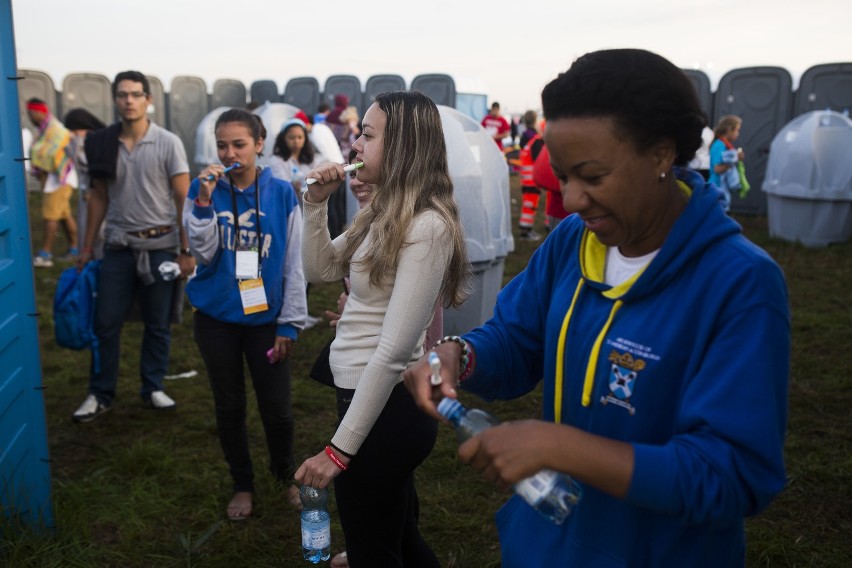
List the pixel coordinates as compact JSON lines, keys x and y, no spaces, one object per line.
{"x":381,"y":330}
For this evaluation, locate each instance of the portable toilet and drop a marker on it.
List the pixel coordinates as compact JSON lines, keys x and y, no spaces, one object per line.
{"x":808,"y":180}
{"x":25,"y":498}
{"x":481,"y":187}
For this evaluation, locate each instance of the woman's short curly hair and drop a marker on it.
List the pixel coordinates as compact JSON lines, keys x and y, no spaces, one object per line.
{"x":649,"y":98}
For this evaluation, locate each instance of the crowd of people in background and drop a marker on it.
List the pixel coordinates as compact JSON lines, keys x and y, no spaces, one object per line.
{"x":650,"y":185}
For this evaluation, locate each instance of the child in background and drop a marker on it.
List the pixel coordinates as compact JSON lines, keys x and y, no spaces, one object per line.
{"x":724,"y":159}
{"x":293,"y":154}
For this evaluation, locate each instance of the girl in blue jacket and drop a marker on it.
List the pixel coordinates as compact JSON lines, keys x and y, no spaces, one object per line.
{"x":245,"y":232}
{"x":661,"y":333}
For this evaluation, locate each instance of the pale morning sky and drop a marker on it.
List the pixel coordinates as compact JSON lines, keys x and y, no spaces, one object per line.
{"x":511,"y":48}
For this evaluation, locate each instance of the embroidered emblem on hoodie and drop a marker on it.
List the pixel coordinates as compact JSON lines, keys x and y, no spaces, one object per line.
{"x":622,"y":378}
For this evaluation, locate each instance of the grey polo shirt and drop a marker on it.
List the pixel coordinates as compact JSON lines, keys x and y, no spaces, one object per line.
{"x":140,"y":196}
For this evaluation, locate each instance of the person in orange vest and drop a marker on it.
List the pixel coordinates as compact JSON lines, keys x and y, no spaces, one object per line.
{"x":530,"y":191}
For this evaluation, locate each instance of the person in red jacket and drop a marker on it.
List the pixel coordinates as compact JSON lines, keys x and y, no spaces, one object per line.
{"x":544,"y":178}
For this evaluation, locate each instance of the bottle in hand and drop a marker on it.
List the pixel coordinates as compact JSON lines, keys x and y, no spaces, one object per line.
{"x":316,"y":524}
{"x":551,"y":493}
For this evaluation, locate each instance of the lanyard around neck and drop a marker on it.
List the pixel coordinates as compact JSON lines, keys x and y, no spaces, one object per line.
{"x":237,"y":214}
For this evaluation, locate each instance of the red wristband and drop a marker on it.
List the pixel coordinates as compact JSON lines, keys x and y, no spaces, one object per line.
{"x":198,"y":202}
{"x":330,"y":453}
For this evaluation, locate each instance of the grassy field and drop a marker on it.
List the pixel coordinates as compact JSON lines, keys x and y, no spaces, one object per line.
{"x":137,"y":488}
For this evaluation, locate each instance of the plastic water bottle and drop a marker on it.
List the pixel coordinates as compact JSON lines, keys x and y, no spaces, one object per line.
{"x":316,"y":524}
{"x":551,"y":493}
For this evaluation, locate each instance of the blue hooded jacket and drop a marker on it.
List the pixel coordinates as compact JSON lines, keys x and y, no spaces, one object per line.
{"x":688,"y":362}
{"x":214,"y":289}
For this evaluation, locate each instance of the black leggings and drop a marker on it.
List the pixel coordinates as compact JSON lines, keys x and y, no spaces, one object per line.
{"x":376,"y":498}
{"x":223,"y":347}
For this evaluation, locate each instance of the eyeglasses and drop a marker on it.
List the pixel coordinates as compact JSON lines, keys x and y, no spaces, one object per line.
{"x":121,"y":95}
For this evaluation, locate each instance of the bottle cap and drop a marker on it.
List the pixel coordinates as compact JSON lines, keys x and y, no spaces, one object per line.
{"x":448,"y":406}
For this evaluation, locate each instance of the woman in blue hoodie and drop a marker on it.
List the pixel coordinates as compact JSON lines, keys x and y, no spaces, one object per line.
{"x":245,"y":232}
{"x":661,"y":333}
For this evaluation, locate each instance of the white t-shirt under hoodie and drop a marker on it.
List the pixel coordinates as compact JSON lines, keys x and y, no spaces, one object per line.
{"x":382,"y":328}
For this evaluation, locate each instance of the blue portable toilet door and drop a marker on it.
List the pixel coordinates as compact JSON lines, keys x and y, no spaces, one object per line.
{"x":825,"y":86}
{"x":24,"y":469}
{"x":763,"y":98}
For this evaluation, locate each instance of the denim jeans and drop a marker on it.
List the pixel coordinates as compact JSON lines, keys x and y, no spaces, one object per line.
{"x":116,"y":287}
{"x":224,"y":346}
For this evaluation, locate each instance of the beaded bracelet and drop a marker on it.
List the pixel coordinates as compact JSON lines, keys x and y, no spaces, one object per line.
{"x":465,"y":359}
{"x":330,"y":453}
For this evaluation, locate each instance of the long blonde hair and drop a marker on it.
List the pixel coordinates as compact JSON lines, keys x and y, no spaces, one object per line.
{"x":414,"y":178}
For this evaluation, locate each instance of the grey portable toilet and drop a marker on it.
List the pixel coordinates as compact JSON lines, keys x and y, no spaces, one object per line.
{"x":205,"y":152}
{"x":825,"y":86}
{"x":35,"y":84}
{"x":187,"y":106}
{"x":228,"y":93}
{"x":264,"y":91}
{"x":25,"y":497}
{"x":809,"y":180}
{"x":90,"y":91}
{"x":701,"y":82}
{"x":348,"y":85}
{"x":39,"y":85}
{"x":302,"y":93}
{"x":157,"y":108}
{"x":481,"y":187}
{"x":378,"y":84}
{"x":439,"y":87}
{"x":763,"y":98}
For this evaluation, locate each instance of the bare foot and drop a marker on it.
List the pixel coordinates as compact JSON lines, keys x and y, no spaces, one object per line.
{"x":340,"y":561}
{"x":239,"y":509}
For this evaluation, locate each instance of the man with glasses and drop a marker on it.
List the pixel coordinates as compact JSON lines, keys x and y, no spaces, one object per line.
{"x":140,"y":178}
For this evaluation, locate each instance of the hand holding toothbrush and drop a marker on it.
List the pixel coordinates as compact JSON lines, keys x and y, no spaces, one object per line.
{"x":325,"y":178}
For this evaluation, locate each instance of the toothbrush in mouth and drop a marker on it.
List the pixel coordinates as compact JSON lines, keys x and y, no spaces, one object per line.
{"x":211,"y":177}
{"x":347,"y":169}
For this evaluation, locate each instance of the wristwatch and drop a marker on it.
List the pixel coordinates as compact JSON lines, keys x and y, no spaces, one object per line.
{"x":185,"y":252}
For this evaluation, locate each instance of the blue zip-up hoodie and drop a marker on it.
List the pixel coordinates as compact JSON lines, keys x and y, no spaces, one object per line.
{"x":688,"y":362}
{"x":214,"y":289}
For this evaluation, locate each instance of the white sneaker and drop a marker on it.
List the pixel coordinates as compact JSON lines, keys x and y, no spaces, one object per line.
{"x":89,"y":410}
{"x":161,"y":401}
{"x":42,"y":261}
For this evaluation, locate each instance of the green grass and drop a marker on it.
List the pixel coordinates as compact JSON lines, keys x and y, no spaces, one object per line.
{"x":137,"y":488}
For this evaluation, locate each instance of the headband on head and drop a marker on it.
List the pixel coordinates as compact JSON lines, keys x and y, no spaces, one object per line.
{"x":40,"y":107}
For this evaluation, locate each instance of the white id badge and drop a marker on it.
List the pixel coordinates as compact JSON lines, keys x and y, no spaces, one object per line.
{"x":246,"y":264}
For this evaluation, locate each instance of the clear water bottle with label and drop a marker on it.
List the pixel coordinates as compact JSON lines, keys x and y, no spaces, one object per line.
{"x":549,"y":492}
{"x":316,"y":524}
